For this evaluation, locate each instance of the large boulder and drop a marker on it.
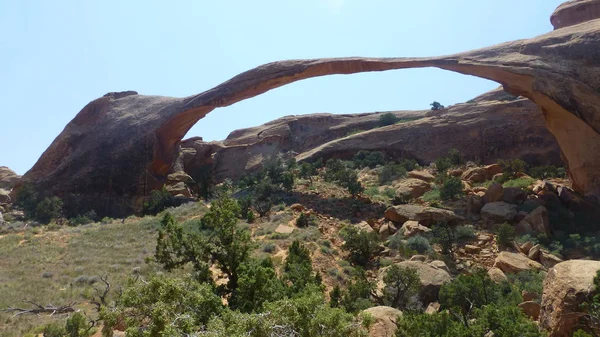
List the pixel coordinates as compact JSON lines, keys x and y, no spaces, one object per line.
{"x":513,"y":195}
{"x":498,"y":212}
{"x":566,"y":286}
{"x":8,"y":178}
{"x":431,"y":278}
{"x":413,"y":187}
{"x":412,"y":228}
{"x":421,"y":175}
{"x":514,"y":263}
{"x":475,"y":175}
{"x":421,"y":214}
{"x":494,"y":193}
{"x":4,"y":197}
{"x":497,"y":275}
{"x":531,"y":309}
{"x":536,"y":222}
{"x":385,"y":319}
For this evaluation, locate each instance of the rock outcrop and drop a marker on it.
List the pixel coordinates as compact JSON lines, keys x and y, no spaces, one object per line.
{"x":423,"y":215}
{"x":565,"y":287}
{"x":8,"y":178}
{"x":123,"y":145}
{"x":513,"y":263}
{"x":431,"y":278}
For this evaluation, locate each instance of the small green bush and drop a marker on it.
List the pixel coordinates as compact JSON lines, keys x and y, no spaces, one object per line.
{"x":387,"y":119}
{"x":287,"y":180}
{"x":305,"y":220}
{"x":159,"y":200}
{"x":361,"y":245}
{"x":419,"y":244}
{"x":451,"y":188}
{"x":548,"y":171}
{"x":505,"y":235}
{"x":48,"y":209}
{"x":391,"y":171}
{"x":436,"y":106}
{"x":442,"y":165}
{"x":465,"y":233}
{"x":83,"y":219}
{"x":456,"y":157}
{"x":369,"y":159}
{"x":269,"y":248}
{"x":432,"y":195}
{"x":522,"y":183}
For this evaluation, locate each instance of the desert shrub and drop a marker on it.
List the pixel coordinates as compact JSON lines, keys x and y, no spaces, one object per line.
{"x":391,"y":171}
{"x":528,"y":280}
{"x":465,"y":233}
{"x":360,"y":244}
{"x":548,"y":171}
{"x":591,"y":307}
{"x":297,"y":270}
{"x":432,"y":195}
{"x":257,"y":284}
{"x":269,"y":247}
{"x":48,"y":209}
{"x":522,"y":183}
{"x":83,"y":219}
{"x":401,"y":287}
{"x":505,"y":235}
{"x":78,"y":326}
{"x":442,"y":165}
{"x":451,"y":188}
{"x":54,"y":330}
{"x":287,"y":180}
{"x":358,"y":293}
{"x":369,"y":159}
{"x":352,"y":184}
{"x":444,"y":234}
{"x":307,"y":314}
{"x":27,"y":199}
{"x":387,"y":118}
{"x":436,"y":106}
{"x":334,"y":170}
{"x":419,"y":244}
{"x":245,"y":204}
{"x":408,"y":164}
{"x":305,"y":220}
{"x":307,"y":171}
{"x":159,"y":200}
{"x":456,"y":157}
{"x":163,"y":306}
{"x":511,"y":167}
{"x":273,"y":169}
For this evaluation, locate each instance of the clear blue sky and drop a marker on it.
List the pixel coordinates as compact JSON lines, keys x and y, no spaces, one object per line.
{"x":56,"y":56}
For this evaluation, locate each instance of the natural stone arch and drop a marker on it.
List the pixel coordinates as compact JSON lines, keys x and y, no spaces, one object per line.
{"x":122,"y":145}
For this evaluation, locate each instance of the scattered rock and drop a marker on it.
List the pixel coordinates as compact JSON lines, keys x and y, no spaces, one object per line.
{"x":439,"y":264}
{"x":470,"y":249}
{"x":475,"y":175}
{"x":363,"y":225}
{"x":385,"y":321}
{"x":432,"y":308}
{"x":420,"y":258}
{"x":421,"y":175}
{"x":474,"y":204}
{"x":180,"y":176}
{"x":300,"y":208}
{"x":497,"y":275}
{"x":4,"y":197}
{"x":565,"y":287}
{"x":494,"y":193}
{"x":531,"y":309}
{"x":424,"y":215}
{"x":514,"y":195}
{"x":413,"y":187}
{"x":549,"y":260}
{"x":534,"y":253}
{"x":536,"y":222}
{"x":513,"y":263}
{"x":498,"y":212}
{"x":455,"y":172}
{"x":386,"y":230}
{"x":526,"y":247}
{"x":493,"y":169}
{"x":283,"y":229}
{"x":412,"y":228}
{"x":528,"y":296}
{"x":178,"y":188}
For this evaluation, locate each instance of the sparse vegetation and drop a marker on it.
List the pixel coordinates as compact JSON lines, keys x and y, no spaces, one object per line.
{"x":360,"y":244}
{"x":505,"y":235}
{"x":436,"y":106}
{"x":387,"y":118}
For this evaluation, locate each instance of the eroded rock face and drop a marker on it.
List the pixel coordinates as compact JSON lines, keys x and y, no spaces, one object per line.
{"x":575,"y":12}
{"x":122,"y":145}
{"x":565,"y":288}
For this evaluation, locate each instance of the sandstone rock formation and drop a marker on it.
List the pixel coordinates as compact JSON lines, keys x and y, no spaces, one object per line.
{"x":513,"y":263}
{"x":8,"y":178}
{"x":565,"y":288}
{"x":122,"y":145}
{"x":424,"y":215}
{"x":385,"y":321}
{"x":431,"y":278}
